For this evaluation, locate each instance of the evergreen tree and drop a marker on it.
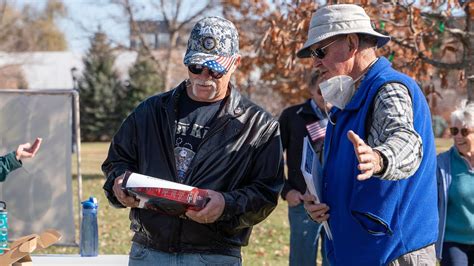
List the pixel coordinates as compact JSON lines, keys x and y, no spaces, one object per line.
{"x":100,"y":92}
{"x":144,"y":82}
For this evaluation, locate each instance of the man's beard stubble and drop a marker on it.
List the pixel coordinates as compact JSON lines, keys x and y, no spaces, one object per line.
{"x":204,"y":83}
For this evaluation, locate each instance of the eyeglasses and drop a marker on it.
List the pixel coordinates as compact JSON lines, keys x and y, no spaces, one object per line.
{"x":320,"y":52}
{"x":464,"y":131}
{"x":198,"y":69}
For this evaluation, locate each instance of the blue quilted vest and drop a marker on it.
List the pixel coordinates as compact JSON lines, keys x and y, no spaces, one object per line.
{"x":374,"y":222}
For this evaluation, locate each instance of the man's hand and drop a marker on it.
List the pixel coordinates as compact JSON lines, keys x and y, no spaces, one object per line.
{"x":213,"y":210}
{"x":293,"y":197}
{"x":369,"y":159}
{"x":317,"y":211}
{"x":26,"y":150}
{"x":127,"y":201}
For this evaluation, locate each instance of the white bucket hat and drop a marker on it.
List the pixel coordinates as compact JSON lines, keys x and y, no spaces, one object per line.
{"x":335,"y":20}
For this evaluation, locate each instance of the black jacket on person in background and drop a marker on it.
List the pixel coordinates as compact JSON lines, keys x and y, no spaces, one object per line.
{"x":240,"y":156}
{"x":293,"y":121}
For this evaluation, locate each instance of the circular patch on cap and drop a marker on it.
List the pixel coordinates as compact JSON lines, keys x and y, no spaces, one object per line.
{"x":209,"y":43}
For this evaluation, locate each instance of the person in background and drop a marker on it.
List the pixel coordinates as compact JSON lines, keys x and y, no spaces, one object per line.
{"x":455,"y":172}
{"x":13,"y":160}
{"x":379,"y":166}
{"x":205,"y":134}
{"x":307,"y":119}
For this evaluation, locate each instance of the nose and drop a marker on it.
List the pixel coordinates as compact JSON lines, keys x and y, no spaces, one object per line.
{"x":316,"y":62}
{"x":205,"y":73}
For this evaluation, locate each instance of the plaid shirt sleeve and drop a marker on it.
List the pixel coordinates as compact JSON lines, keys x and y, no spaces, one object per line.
{"x":392,"y":132}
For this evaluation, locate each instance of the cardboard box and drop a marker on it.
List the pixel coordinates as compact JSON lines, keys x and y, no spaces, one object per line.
{"x":19,"y":252}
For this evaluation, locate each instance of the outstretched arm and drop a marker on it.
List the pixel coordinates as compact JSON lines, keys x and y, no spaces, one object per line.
{"x":12,"y":160}
{"x":26,"y":150}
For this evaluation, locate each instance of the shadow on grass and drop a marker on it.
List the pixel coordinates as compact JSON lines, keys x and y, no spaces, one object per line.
{"x":90,"y":177}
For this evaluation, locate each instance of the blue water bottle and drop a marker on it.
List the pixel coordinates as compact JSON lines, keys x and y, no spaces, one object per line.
{"x":3,"y":227}
{"x":89,"y":230}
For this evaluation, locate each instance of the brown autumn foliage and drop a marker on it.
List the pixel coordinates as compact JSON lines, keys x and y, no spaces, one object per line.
{"x":31,"y":29}
{"x":427,"y":45}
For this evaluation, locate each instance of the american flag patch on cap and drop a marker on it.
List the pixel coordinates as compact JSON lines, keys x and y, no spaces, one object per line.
{"x":317,"y":129}
{"x":222,"y":64}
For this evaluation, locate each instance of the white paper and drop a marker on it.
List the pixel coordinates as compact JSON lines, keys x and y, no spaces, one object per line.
{"x":138,"y":180}
{"x":312,"y":172}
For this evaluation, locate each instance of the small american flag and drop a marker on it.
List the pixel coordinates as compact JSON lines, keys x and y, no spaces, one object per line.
{"x":317,"y":129}
{"x":221,"y":64}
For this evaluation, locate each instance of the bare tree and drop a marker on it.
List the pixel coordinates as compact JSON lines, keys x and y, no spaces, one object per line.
{"x":174,"y":19}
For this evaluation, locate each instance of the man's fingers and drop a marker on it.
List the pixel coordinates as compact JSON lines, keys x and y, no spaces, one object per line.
{"x":300,"y":197}
{"x":366,"y":167}
{"x":359,"y":145}
{"x":366,"y":158}
{"x":364,"y":176}
{"x":318,"y":212}
{"x":323,"y":218}
{"x":34,"y":148}
{"x":363,"y":149}
{"x":212,"y":211}
{"x":198,"y":216}
{"x":130,"y":201}
{"x":127,"y":201}
{"x":316,"y":207}
{"x":26,"y":146}
{"x":355,"y":139}
{"x":308,"y":197}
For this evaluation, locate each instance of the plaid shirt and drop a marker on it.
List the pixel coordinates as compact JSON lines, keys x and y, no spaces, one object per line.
{"x":392,"y":132}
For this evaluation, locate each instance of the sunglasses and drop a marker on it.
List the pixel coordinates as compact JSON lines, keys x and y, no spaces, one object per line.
{"x":320,"y":52}
{"x":464,"y":131}
{"x":198,"y":69}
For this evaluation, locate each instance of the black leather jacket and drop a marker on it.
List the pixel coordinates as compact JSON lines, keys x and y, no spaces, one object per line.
{"x":241,"y":157}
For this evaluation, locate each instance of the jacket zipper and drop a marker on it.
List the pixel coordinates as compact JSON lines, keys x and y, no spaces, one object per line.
{"x":208,"y":136}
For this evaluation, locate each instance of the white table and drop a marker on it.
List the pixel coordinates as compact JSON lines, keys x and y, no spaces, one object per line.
{"x":100,"y":260}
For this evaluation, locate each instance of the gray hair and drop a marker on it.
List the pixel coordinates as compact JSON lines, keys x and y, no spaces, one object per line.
{"x":366,"y":40}
{"x":464,"y":114}
{"x":313,"y":79}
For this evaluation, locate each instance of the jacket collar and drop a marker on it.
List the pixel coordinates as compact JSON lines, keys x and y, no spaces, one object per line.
{"x":361,"y":93}
{"x":234,"y":105}
{"x":306,"y":108}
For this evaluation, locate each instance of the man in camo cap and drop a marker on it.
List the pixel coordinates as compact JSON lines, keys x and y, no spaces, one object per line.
{"x":203,"y":134}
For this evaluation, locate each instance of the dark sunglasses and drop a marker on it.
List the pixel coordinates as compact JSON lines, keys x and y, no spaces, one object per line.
{"x":321,"y":52}
{"x":464,"y":131}
{"x":198,"y":69}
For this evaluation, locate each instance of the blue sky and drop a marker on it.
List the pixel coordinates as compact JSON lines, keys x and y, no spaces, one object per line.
{"x":86,"y":16}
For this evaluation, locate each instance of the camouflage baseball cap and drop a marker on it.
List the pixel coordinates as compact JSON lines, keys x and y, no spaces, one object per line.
{"x":213,"y":43}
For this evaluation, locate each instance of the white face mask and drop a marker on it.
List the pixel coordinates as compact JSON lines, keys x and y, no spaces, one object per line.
{"x":338,"y":90}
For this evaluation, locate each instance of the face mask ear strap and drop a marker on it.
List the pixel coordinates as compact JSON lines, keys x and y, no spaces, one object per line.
{"x":328,"y":114}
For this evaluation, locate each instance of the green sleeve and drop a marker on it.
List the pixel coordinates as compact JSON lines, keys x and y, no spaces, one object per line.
{"x":8,"y":163}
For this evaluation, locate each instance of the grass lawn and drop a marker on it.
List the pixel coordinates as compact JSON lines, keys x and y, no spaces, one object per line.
{"x":269,"y":243}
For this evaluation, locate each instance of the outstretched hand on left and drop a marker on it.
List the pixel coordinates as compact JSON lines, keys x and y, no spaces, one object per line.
{"x":26,"y":150}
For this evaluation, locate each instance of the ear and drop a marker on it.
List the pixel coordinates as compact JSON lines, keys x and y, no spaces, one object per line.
{"x":353,"y":41}
{"x":236,"y":63}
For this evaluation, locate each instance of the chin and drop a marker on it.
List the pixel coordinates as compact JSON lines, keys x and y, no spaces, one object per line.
{"x":204,"y":93}
{"x":205,"y":96}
